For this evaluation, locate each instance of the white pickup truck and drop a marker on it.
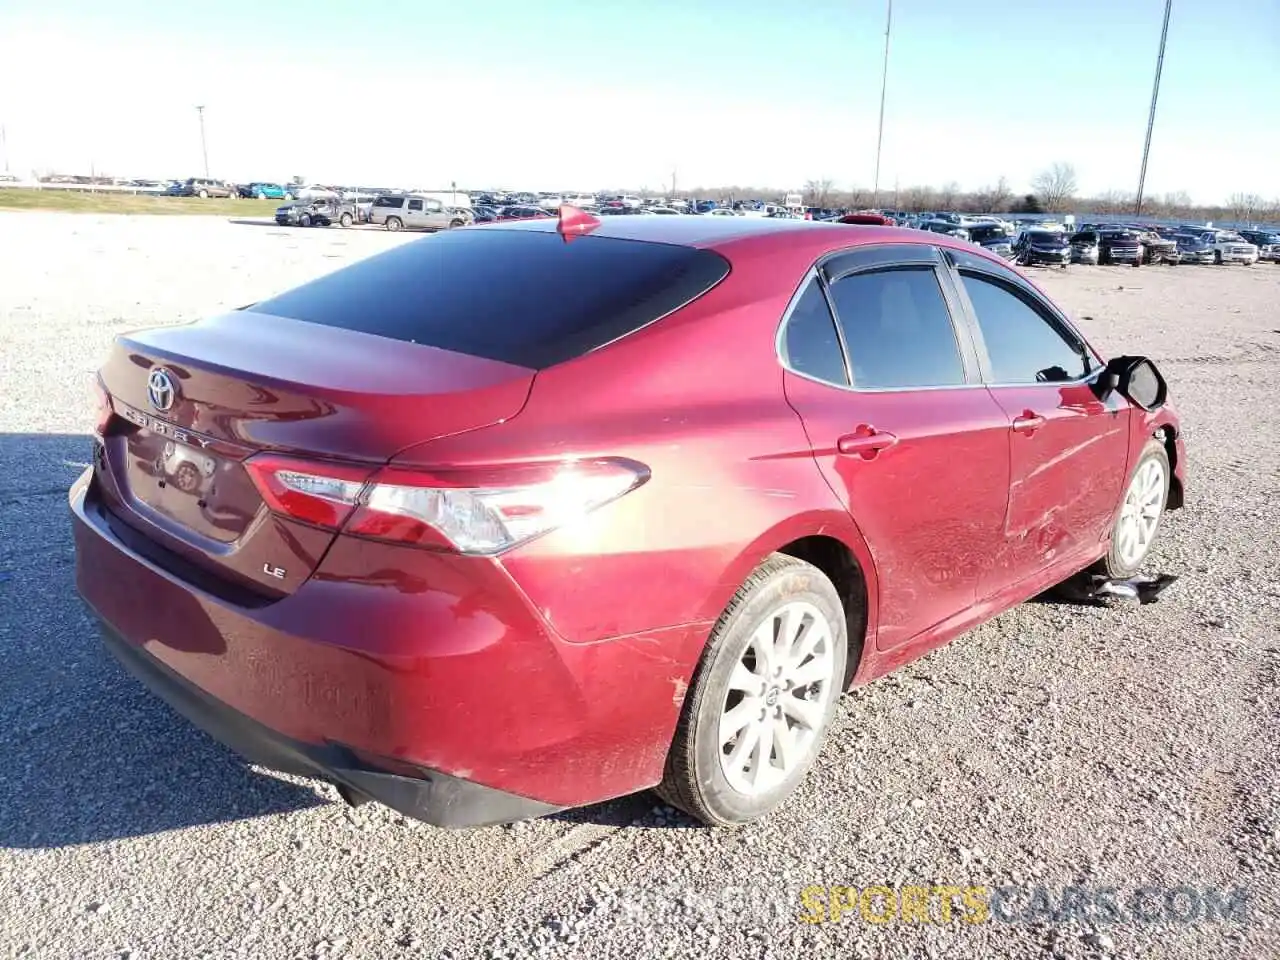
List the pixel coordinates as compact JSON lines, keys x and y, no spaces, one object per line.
{"x":1230,"y":247}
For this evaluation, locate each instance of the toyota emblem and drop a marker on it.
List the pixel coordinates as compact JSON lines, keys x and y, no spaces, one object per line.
{"x":160,"y":389}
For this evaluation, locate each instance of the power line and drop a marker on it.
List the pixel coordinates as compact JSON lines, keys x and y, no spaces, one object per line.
{"x":1151,"y":117}
{"x":884,"y":83}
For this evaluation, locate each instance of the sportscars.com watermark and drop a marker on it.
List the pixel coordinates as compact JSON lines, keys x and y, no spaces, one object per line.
{"x":883,"y":904}
{"x":1012,"y":904}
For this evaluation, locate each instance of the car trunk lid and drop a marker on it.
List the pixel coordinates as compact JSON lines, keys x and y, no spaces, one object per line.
{"x":195,"y":401}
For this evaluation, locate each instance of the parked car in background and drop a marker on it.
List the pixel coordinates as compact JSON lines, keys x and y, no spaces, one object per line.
{"x":407,"y":211}
{"x":665,"y":211}
{"x":264,"y":191}
{"x":317,"y":213}
{"x":1084,"y":247}
{"x":1117,"y":245}
{"x":411,"y":527}
{"x":1230,"y":247}
{"x":1267,"y":242}
{"x":1156,"y":248}
{"x":484,"y":213}
{"x":1193,"y":248}
{"x":1048,"y":247}
{"x":204,"y":188}
{"x":523,"y":213}
{"x":948,"y":228}
{"x":315,"y":192}
{"x":992,"y":237}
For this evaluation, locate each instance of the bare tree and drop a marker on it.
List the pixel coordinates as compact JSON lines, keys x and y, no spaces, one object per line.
{"x":992,"y":199}
{"x":1243,"y":206}
{"x":1176,"y":204}
{"x":1055,"y":186}
{"x":948,"y":195}
{"x":817,"y":193}
{"x":1112,"y":201}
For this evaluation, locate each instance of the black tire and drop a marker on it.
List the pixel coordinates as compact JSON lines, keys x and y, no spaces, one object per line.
{"x":457,"y":223}
{"x":288,"y":197}
{"x":304,"y":220}
{"x":1217,"y":257}
{"x":1112,"y":565}
{"x":1137,"y":263}
{"x":394,"y":224}
{"x":262,"y":195}
{"x":203,"y":194}
{"x":694,"y":779}
{"x":346,"y":220}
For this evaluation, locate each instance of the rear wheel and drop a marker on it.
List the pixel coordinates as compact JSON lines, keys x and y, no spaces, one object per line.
{"x":1217,"y":257}
{"x":204,"y":194}
{"x":394,"y":224}
{"x":762,"y":697}
{"x":457,"y":223}
{"x":304,"y":220}
{"x":1140,"y":513}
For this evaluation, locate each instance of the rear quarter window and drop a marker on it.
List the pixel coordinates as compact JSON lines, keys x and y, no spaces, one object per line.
{"x":396,"y":202}
{"x":520,"y":296}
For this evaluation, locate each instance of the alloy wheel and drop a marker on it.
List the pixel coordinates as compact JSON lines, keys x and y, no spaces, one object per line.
{"x":774,"y":710}
{"x":1140,"y":513}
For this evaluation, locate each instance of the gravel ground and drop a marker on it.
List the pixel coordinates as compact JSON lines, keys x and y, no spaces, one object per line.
{"x":1055,"y":746}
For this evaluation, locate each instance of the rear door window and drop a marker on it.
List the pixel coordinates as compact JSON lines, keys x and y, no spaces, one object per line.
{"x":415,"y":204}
{"x":898,"y":329}
{"x":810,"y":344}
{"x":516,"y":295}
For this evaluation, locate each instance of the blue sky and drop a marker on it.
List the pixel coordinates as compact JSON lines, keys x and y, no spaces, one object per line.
{"x":570,"y":94}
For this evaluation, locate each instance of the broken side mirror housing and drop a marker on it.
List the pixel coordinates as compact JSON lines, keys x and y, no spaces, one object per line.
{"x":1137,"y":380}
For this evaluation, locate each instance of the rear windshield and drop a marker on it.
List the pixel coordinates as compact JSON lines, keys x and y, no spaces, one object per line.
{"x":1041,"y":236}
{"x":519,"y":296}
{"x":389,"y":202}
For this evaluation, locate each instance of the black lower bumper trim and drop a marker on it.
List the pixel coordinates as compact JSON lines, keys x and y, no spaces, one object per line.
{"x":433,"y":797}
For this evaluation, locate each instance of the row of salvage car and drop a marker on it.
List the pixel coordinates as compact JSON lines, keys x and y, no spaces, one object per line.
{"x":1027,"y":244}
{"x":1054,"y":245}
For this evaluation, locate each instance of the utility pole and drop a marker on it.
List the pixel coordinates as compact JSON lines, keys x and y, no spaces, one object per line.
{"x":1151,"y":117}
{"x":4,"y":147}
{"x":884,"y":83}
{"x":204,"y":147}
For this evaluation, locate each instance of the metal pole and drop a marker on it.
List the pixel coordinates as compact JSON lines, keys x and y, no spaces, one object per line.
{"x":884,"y":82}
{"x":204,"y":147}
{"x":4,"y":147}
{"x":1151,"y":118}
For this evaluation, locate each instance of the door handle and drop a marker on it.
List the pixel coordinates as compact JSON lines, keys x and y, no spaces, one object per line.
{"x":866,"y":441}
{"x":1028,"y":422}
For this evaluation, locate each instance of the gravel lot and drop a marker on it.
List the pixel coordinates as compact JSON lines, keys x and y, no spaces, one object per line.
{"x":1056,"y":746}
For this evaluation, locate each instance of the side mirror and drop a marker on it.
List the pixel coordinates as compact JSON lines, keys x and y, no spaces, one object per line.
{"x":1136,"y":379}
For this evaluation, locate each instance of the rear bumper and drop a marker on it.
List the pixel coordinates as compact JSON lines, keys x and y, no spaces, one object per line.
{"x":429,"y":667}
{"x":426,"y":795}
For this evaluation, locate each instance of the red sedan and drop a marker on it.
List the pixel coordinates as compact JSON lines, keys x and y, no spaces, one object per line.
{"x":509,"y":520}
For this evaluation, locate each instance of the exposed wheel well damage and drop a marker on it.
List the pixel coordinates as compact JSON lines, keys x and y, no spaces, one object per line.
{"x":839,"y":564}
{"x":1166,"y":436}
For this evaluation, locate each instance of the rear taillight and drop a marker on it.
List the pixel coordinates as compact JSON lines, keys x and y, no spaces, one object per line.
{"x":102,"y":408}
{"x":323,"y":494}
{"x":474,"y":511}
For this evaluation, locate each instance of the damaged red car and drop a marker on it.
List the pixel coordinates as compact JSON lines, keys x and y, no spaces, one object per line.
{"x":517,"y":518}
